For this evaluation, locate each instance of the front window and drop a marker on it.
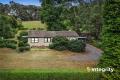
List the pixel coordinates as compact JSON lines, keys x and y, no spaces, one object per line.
{"x":34,"y":40}
{"x":47,"y":40}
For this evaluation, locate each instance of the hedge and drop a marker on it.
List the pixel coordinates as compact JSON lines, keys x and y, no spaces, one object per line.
{"x":22,"y":49}
{"x":8,"y":43}
{"x":59,"y":43}
{"x":76,"y":46}
{"x":62,"y":43}
{"x":23,"y":42}
{"x":21,"y":38}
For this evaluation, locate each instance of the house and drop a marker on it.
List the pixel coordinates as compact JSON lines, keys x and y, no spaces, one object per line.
{"x":37,"y":38}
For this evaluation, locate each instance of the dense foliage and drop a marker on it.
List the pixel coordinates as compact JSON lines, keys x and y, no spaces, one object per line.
{"x":77,"y":15}
{"x":8,"y":29}
{"x":51,"y":15}
{"x":76,"y":46}
{"x":62,"y":43}
{"x":111,"y":39}
{"x":8,"y":26}
{"x":8,"y":44}
{"x":59,"y":43}
{"x":23,"y":42}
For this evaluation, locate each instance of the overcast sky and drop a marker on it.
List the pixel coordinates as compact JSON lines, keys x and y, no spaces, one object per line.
{"x":25,"y":2}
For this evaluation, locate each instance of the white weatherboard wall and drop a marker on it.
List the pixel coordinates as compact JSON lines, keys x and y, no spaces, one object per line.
{"x":41,"y":42}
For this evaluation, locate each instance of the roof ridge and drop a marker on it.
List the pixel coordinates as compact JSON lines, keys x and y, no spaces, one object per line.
{"x":39,"y":33}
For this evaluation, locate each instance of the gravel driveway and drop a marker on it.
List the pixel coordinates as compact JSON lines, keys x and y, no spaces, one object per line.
{"x":92,"y":54}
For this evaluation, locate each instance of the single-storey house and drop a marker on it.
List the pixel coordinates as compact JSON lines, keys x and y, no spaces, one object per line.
{"x":37,"y":38}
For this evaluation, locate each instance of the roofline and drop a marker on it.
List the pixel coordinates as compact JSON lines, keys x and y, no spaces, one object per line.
{"x":30,"y":36}
{"x":51,"y":37}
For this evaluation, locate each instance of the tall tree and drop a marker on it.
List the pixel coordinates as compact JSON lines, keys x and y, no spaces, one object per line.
{"x":111,"y":39}
{"x":51,"y":15}
{"x":8,"y":26}
{"x":77,"y":15}
{"x":85,"y":16}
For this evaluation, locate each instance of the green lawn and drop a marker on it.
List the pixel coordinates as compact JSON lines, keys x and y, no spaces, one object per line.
{"x":42,"y":59}
{"x":33,"y":24}
{"x":48,"y":75}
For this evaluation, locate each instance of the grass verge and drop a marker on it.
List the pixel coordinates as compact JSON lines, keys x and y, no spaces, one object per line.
{"x":50,"y":74}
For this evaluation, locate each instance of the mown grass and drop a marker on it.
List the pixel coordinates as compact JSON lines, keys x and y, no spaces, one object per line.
{"x":56,"y":74}
{"x":33,"y":24}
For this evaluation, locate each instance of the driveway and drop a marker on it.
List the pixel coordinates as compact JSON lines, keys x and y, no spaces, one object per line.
{"x":92,"y":54}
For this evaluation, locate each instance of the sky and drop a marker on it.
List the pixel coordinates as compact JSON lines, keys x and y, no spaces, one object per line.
{"x":25,"y":2}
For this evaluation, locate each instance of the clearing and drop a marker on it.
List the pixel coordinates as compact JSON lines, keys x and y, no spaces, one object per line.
{"x":33,"y":24}
{"x":49,"y":59}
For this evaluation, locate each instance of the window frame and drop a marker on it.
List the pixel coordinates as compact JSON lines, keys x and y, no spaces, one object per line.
{"x":47,"y":39}
{"x":34,"y":40}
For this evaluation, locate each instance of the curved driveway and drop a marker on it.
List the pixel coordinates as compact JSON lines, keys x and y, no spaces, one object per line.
{"x":92,"y":54}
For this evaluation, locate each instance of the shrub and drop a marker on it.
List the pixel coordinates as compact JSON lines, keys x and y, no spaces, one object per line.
{"x":2,"y":44}
{"x":51,"y":46}
{"x":60,"y":39}
{"x":62,"y":43}
{"x":21,"y":38}
{"x":59,"y":43}
{"x":57,"y":47}
{"x":23,"y":33}
{"x":12,"y":46}
{"x":8,"y":43}
{"x":23,"y":45}
{"x":60,"y":48}
{"x":22,"y":49}
{"x":76,"y":46}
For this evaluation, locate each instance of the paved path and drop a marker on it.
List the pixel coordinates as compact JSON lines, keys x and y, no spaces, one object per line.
{"x":92,"y":54}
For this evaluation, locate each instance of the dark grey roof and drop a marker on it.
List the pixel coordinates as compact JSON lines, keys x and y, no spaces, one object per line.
{"x":37,"y":33}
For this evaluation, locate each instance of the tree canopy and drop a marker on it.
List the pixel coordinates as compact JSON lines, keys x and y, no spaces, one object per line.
{"x":77,"y":15}
{"x":111,"y":39}
{"x":24,"y":12}
{"x":8,"y":26}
